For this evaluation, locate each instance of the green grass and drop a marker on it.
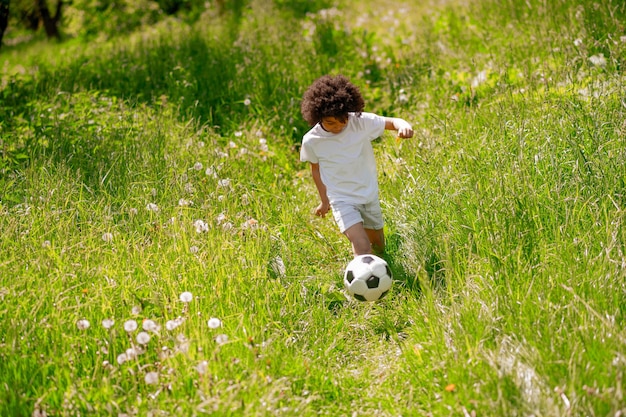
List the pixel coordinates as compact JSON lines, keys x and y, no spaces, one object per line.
{"x":133,"y":170}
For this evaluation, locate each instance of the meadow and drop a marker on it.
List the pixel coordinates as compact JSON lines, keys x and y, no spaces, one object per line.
{"x":159,"y":255}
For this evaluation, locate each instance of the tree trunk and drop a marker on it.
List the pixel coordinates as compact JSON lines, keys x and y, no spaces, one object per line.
{"x":4,"y":18}
{"x":50,"y":23}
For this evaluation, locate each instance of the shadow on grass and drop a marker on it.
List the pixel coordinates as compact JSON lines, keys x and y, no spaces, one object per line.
{"x":407,"y":279}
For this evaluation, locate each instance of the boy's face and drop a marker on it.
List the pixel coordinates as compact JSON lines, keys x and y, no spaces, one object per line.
{"x":333,"y":124}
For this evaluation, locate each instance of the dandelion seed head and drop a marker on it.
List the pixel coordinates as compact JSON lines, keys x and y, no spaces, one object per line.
{"x":46,"y":244}
{"x":132,"y":353}
{"x":108,"y":323}
{"x":152,"y":378}
{"x":214,"y":323}
{"x":143,"y":338}
{"x":121,"y":358}
{"x":83,"y":324}
{"x":202,"y":367}
{"x":238,"y":134}
{"x":221,"y":339}
{"x":194,"y":249}
{"x":133,"y":211}
{"x":150,"y":325}
{"x":136,"y":310}
{"x":130,"y":325}
{"x":224,"y":183}
{"x":598,"y":60}
{"x":107,"y":237}
{"x":152,"y":207}
{"x":247,"y":102}
{"x":186,"y":297}
{"x":578,"y":42}
{"x":201,"y":226}
{"x":197,"y":166}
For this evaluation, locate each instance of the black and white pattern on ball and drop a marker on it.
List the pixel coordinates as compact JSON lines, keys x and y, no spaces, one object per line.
{"x":367,"y":278}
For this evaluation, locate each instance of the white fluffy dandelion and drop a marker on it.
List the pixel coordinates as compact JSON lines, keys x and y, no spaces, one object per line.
{"x":186,"y":297}
{"x":221,"y":339}
{"x":108,"y":323}
{"x":130,"y":325}
{"x":152,"y":378}
{"x":201,"y":226}
{"x":150,"y":326}
{"x":143,"y":338}
{"x":197,"y":166}
{"x":214,"y":323}
{"x":202,"y":367}
{"x":107,"y":237}
{"x":152,"y":207}
{"x":83,"y":324}
{"x":598,"y":60}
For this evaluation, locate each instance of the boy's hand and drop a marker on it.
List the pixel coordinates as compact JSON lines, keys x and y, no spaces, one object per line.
{"x":405,"y":130}
{"x":322,"y":209}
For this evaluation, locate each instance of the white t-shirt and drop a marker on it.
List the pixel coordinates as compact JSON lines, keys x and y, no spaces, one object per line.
{"x":346,"y":159}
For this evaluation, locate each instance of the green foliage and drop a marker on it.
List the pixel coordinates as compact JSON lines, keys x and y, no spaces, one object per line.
{"x":135,"y":169}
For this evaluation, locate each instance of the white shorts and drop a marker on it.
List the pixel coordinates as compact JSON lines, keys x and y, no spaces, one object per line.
{"x":348,"y":214}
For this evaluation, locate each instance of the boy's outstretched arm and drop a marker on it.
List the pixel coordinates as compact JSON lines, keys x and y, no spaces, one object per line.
{"x":404,"y":128}
{"x":324,"y":206}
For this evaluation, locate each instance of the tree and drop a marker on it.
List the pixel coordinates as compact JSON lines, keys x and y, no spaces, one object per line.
{"x":50,"y":23}
{"x":4,"y":17}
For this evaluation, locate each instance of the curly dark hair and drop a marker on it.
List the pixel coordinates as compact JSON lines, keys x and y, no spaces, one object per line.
{"x":330,"y":96}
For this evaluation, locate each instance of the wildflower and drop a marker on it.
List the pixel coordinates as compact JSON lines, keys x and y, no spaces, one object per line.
{"x":250,"y":224}
{"x":238,"y":133}
{"x":201,"y":226}
{"x":150,"y":326}
{"x":152,"y":207}
{"x":578,"y":42}
{"x":214,"y":323}
{"x":121,"y":358}
{"x":246,"y":102}
{"x":224,"y":183}
{"x":108,"y":323}
{"x":130,"y":326}
{"x":210,"y":171}
{"x":263,"y":145}
{"x":220,"y":218}
{"x":132,"y":353}
{"x":194,"y":249}
{"x":202,"y":367}
{"x":186,"y":297}
{"x":135,"y":311}
{"x":83,"y":324}
{"x":143,"y":338}
{"x":598,"y":60}
{"x":172,"y":324}
{"x":107,"y":237}
{"x":152,"y":378}
{"x":221,"y":339}
{"x":197,"y":166}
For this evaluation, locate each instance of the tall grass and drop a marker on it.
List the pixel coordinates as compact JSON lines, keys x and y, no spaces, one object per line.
{"x":138,"y":170}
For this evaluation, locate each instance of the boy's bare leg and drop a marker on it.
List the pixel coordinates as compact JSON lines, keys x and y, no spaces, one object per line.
{"x":377,"y":240}
{"x":359,"y":238}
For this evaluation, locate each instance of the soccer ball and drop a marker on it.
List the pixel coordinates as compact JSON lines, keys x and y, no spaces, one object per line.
{"x":367,"y":278}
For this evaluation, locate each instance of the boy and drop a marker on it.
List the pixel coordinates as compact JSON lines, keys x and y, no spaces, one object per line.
{"x":343,"y":167}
